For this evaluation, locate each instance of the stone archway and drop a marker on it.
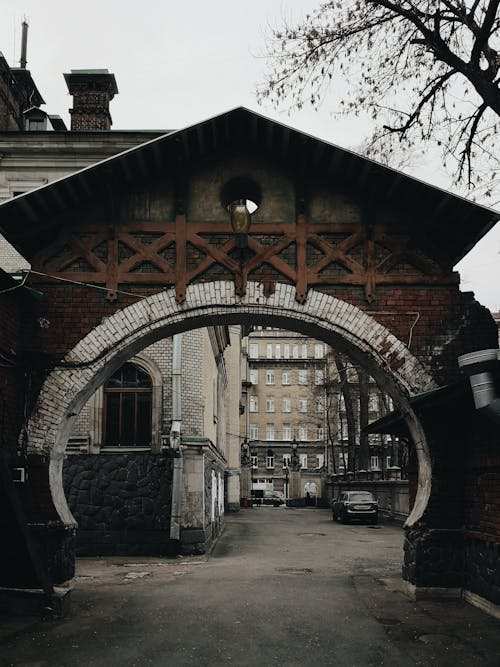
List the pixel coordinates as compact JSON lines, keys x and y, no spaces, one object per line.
{"x":125,"y":333}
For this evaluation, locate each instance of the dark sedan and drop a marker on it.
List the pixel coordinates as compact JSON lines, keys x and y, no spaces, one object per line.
{"x":355,"y":505}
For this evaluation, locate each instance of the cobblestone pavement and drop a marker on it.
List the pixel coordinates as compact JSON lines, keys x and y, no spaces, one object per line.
{"x":282,"y":587}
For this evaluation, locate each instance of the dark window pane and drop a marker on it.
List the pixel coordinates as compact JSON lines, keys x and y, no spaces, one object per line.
{"x":112,"y":419}
{"x":127,"y":436}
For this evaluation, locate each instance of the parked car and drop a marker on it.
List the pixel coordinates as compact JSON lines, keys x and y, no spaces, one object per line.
{"x":267,"y":498}
{"x":355,"y":505}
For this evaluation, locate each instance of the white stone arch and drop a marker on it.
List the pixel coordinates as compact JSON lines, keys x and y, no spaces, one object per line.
{"x":122,"y":335}
{"x":96,"y":405}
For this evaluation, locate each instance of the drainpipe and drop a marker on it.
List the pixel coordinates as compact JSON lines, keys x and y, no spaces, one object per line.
{"x":478,"y":367}
{"x":175,"y":438}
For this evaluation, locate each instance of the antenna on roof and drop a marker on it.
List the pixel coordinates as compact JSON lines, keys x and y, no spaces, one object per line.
{"x":24,"y":44}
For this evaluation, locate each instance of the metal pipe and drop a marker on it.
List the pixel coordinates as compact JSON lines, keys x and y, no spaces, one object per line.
{"x":24,"y":45}
{"x":175,"y":438}
{"x":478,"y":367}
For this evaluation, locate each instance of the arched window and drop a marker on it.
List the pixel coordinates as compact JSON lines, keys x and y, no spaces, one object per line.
{"x":127,"y":408}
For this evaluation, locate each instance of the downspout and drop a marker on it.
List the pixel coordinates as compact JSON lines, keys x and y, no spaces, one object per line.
{"x":175,"y":438}
{"x":478,"y":367}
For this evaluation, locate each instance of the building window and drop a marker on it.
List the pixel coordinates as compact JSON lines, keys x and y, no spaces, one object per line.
{"x":302,"y":404}
{"x":303,"y":461}
{"x":277,"y":351}
{"x":253,"y":351}
{"x":269,"y":351}
{"x":253,"y":431}
{"x":373,"y":402}
{"x":295,"y":351}
{"x":269,"y":431}
{"x":286,"y":351}
{"x":269,"y":403}
{"x":319,"y":376}
{"x":128,"y":408}
{"x":286,"y":404}
{"x":304,"y":351}
{"x":270,"y":376}
{"x":286,"y":377}
{"x":254,"y":460}
{"x":270,"y":459}
{"x":319,"y":350}
{"x":374,"y":463}
{"x":320,"y":433}
{"x":343,"y":461}
{"x":286,"y":461}
{"x":321,"y":460}
{"x":254,"y":375}
{"x":320,"y":406}
{"x":287,"y":432}
{"x":303,"y":376}
{"x":253,"y":404}
{"x":302,"y":432}
{"x":388,"y":462}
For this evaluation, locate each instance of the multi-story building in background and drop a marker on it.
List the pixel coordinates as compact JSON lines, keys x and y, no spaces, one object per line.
{"x":300,"y":394}
{"x":284,"y":405}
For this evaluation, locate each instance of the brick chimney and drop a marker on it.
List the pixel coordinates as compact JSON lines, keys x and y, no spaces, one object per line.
{"x":92,"y":91}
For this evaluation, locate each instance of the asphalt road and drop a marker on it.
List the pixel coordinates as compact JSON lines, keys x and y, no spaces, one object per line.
{"x":282,"y":587}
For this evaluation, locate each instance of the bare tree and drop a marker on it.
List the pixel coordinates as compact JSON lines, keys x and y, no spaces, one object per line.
{"x":423,"y":69}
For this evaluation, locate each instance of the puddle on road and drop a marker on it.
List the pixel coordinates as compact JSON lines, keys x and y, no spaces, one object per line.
{"x":294,"y":570}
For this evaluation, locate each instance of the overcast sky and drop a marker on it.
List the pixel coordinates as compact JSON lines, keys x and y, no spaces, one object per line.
{"x":177,"y":63}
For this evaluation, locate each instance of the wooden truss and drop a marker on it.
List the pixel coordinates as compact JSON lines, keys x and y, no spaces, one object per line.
{"x":178,"y":253}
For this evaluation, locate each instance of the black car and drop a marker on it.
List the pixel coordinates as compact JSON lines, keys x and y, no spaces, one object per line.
{"x":355,"y":505}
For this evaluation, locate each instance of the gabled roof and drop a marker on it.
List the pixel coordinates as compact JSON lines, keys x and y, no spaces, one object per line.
{"x":453,"y":223}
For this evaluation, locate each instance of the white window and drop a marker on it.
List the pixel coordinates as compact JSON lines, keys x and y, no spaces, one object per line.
{"x":295,"y":351}
{"x":277,"y":351}
{"x":302,"y":432}
{"x":269,"y":431}
{"x":269,"y":403}
{"x":304,"y":351}
{"x":319,"y":376}
{"x":303,"y":376}
{"x":254,"y":375}
{"x":286,"y":351}
{"x":286,"y":377}
{"x":374,"y":463}
{"x":343,"y":461}
{"x":320,"y":406}
{"x":254,"y":460}
{"x":269,"y":351}
{"x":287,"y":432}
{"x":390,"y":404}
{"x":286,"y":404}
{"x":321,"y":460}
{"x":286,"y":461}
{"x":302,"y":404}
{"x":388,"y":462}
{"x":270,"y":376}
{"x":303,"y":461}
{"x":269,"y":462}
{"x":253,"y":431}
{"x":253,"y":351}
{"x":320,"y":433}
{"x":319,"y":350}
{"x":254,"y":403}
{"x":373,"y":402}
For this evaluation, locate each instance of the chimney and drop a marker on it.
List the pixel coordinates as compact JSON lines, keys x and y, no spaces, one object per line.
{"x":24,"y":44}
{"x":92,"y":91}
